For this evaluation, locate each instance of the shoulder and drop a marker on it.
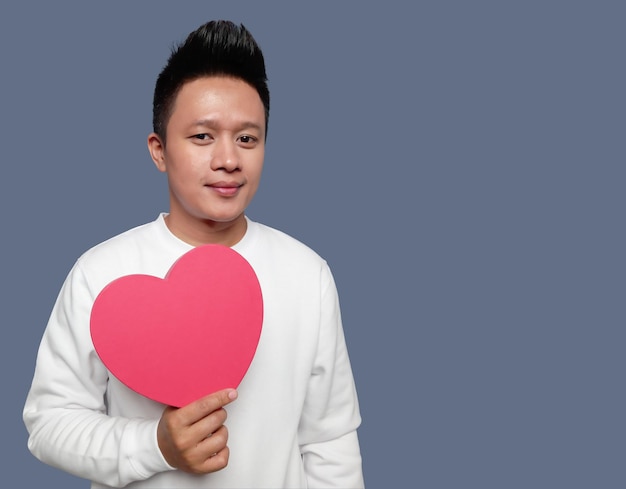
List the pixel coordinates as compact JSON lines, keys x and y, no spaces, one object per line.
{"x":140,"y":250}
{"x":277,"y":242}
{"x":118,"y":246}
{"x":279,"y":258}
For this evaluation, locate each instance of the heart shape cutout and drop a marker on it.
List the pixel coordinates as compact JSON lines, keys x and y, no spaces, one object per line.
{"x":180,"y":338}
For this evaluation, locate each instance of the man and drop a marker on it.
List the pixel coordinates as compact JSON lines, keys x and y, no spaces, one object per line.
{"x":292,"y":421}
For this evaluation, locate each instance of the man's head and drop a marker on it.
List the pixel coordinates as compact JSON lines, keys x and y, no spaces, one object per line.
{"x":211,"y":106}
{"x":217,"y":48}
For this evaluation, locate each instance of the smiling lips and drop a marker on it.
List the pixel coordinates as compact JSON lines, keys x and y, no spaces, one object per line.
{"x":225,"y":188}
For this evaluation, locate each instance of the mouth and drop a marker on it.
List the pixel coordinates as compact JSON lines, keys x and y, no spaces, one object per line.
{"x":225,"y":188}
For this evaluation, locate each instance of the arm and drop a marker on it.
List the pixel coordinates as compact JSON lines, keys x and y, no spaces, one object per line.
{"x":327,"y":431}
{"x":65,"y":412}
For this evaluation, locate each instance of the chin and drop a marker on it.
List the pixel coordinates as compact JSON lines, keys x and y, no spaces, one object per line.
{"x":223,"y":219}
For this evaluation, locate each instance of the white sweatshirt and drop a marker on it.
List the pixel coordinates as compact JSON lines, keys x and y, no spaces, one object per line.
{"x":294,"y":422}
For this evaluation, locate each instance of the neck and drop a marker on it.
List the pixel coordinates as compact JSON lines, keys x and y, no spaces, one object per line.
{"x":198,"y":232}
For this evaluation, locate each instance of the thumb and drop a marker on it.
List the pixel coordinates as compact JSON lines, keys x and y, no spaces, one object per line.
{"x":206,"y":405}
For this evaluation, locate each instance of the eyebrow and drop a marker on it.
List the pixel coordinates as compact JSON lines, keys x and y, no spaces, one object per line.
{"x":212,"y":123}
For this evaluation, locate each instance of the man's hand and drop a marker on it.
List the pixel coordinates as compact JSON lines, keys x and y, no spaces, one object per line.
{"x":193,"y":438}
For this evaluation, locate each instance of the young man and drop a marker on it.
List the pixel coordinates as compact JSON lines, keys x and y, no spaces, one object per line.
{"x":292,"y":422}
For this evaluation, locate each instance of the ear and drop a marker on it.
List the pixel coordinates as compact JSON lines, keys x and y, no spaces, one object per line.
{"x":156,"y":147}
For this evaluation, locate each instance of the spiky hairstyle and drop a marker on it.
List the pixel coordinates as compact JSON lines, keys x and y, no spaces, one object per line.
{"x":217,"y":48}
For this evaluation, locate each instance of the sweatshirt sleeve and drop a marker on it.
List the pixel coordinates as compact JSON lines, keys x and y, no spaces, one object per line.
{"x":65,"y":411}
{"x":327,"y":431}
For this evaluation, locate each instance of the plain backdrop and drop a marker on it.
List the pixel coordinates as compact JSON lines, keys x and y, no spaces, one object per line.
{"x":460,"y":165}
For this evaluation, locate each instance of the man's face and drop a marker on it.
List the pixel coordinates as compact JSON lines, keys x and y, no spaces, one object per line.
{"x":213,"y":155}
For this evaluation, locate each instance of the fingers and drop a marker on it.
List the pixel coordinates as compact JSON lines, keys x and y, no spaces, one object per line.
{"x":215,"y":462}
{"x":199,"y":409}
{"x":208,"y":425}
{"x":209,"y":455}
{"x":214,"y":443}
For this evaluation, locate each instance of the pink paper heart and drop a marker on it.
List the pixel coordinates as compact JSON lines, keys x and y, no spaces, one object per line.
{"x":177,"y":339}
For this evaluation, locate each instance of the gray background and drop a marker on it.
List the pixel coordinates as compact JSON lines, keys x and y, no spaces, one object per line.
{"x":459,"y":164}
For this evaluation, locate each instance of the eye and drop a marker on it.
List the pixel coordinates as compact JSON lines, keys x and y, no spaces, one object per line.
{"x":247,"y":140}
{"x":202,"y":137}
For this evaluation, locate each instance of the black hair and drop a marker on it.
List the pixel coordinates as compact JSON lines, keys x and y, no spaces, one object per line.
{"x":217,"y":48}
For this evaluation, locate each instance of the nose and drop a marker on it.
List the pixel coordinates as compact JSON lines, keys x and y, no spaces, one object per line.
{"x":225,"y":156}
